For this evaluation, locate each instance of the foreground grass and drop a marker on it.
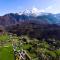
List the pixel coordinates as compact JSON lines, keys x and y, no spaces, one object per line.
{"x":4,"y":37}
{"x":6,"y":53}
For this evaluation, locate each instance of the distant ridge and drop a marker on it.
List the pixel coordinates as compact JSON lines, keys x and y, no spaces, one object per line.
{"x":44,"y":18}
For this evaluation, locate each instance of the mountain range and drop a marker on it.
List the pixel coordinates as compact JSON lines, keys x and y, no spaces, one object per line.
{"x":45,"y":25}
{"x":44,"y":18}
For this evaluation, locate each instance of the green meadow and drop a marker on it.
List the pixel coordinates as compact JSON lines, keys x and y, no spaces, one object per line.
{"x":6,"y":49}
{"x":6,"y":53}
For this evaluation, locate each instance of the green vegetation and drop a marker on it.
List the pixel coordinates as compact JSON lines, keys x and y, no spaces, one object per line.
{"x":36,"y":49}
{"x":4,"y":37}
{"x":6,"y":53}
{"x":6,"y":49}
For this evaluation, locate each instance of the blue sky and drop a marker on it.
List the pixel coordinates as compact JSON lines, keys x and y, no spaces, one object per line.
{"x":15,"y":6}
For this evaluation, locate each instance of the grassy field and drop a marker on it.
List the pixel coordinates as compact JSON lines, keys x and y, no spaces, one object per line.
{"x":6,"y":49}
{"x":6,"y":53}
{"x":4,"y":37}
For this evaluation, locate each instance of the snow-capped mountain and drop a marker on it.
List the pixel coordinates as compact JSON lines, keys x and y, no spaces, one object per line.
{"x":30,"y":16}
{"x":33,"y":12}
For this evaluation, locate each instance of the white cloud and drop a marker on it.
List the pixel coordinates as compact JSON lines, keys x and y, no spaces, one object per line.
{"x":49,"y":8}
{"x":36,"y":10}
{"x":52,"y":9}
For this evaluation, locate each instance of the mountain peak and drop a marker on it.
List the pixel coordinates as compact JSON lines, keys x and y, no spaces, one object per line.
{"x":34,"y":11}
